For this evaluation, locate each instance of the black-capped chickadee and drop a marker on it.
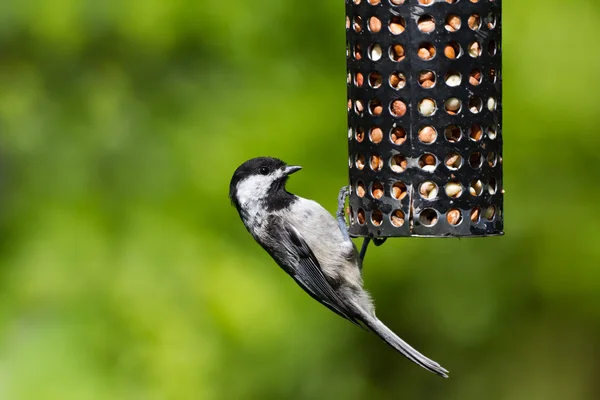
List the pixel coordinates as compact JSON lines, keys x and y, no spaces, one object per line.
{"x":311,"y":246}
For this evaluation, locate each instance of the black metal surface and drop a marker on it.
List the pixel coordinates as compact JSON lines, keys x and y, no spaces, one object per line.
{"x":413,"y":204}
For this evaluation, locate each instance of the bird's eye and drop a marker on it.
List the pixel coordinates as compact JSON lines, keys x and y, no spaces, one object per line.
{"x":264,"y":170}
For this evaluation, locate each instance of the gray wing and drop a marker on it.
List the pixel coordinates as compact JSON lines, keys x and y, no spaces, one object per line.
{"x":308,"y":274}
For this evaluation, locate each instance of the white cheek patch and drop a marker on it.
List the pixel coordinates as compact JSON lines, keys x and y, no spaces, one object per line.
{"x":254,"y":188}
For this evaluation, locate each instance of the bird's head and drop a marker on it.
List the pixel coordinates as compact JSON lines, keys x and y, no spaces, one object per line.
{"x":258,"y":179}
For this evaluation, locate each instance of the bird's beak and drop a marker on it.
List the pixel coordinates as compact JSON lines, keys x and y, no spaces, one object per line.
{"x":290,"y":169}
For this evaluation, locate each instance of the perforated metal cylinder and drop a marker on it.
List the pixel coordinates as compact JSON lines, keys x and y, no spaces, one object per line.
{"x":425,"y":117}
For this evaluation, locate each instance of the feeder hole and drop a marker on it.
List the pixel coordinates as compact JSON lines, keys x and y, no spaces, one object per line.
{"x":360,"y":189}
{"x":426,"y":23}
{"x":360,"y":216}
{"x":453,"y":134}
{"x":475,"y":214}
{"x":453,"y":161}
{"x":375,"y":52}
{"x":398,"y":163}
{"x":452,"y":23}
{"x":397,"y":52}
{"x":475,"y":77}
{"x":397,"y":25}
{"x":427,"y":134}
{"x":376,"y":162}
{"x":428,"y":217}
{"x":397,"y":80}
{"x":398,"y":135}
{"x":476,"y":188}
{"x":360,"y":162}
{"x":399,"y":190}
{"x":398,"y":108}
{"x":376,"y":135}
{"x":474,"y":22}
{"x":427,"y":162}
{"x":453,"y":216}
{"x":375,"y":107}
{"x":453,"y":106}
{"x":360,"y":134}
{"x":427,"y":79}
{"x":490,"y":212}
{"x":475,"y":160}
{"x":452,"y":50}
{"x":397,"y":218}
{"x":374,"y":24}
{"x":428,"y":190}
{"x":427,"y":107}
{"x":426,"y":51}
{"x":454,"y":189}
{"x":375,"y":80}
{"x":475,"y":105}
{"x":476,"y":133}
{"x":377,"y":217}
{"x":377,"y":190}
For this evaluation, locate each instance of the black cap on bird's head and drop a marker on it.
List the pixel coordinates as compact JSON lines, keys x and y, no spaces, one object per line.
{"x":259,"y":178}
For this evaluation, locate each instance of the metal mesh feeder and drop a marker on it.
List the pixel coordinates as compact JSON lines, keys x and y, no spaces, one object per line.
{"x":424,"y":117}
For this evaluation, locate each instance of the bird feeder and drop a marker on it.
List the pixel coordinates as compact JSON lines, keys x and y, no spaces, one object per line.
{"x":424,"y":117}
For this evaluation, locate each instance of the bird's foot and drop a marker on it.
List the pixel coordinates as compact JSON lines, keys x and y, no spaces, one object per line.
{"x":340,"y":216}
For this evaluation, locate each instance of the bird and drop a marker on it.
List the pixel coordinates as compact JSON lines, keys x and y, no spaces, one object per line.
{"x":311,"y":246}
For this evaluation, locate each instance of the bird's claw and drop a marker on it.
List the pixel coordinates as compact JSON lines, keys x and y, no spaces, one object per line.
{"x":341,"y":217}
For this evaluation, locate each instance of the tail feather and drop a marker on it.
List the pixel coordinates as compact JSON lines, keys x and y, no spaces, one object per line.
{"x":400,"y":345}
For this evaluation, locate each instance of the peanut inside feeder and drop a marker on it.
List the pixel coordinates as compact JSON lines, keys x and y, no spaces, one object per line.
{"x":425,"y":117}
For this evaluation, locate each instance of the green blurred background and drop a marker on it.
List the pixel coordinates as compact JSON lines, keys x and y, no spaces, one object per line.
{"x":126,"y":274}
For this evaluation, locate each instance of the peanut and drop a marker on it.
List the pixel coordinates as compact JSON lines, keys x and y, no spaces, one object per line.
{"x":358,"y":105}
{"x":490,"y":212}
{"x":475,"y":214}
{"x":399,"y":163}
{"x":453,"y":79}
{"x":428,"y":190}
{"x":453,"y":189}
{"x":398,"y":108}
{"x":398,"y":53}
{"x":475,"y":49}
{"x":453,"y":161}
{"x":375,"y":52}
{"x":397,"y":25}
{"x":475,"y":188}
{"x":399,"y":190}
{"x":361,"y":217}
{"x":452,"y":23}
{"x":453,"y":216}
{"x":427,"y":107}
{"x":474,"y":22}
{"x":475,"y":78}
{"x":397,"y":80}
{"x":452,"y":106}
{"x":374,"y":24}
{"x":376,"y":163}
{"x":377,"y":193}
{"x":426,"y":52}
{"x":426,"y":24}
{"x":359,"y":79}
{"x":398,"y":135}
{"x":397,"y":218}
{"x":427,"y":134}
{"x":449,"y":52}
{"x":360,"y":189}
{"x":376,"y":135}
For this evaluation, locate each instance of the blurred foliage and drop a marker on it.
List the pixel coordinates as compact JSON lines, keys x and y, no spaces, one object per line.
{"x":125,"y":273}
